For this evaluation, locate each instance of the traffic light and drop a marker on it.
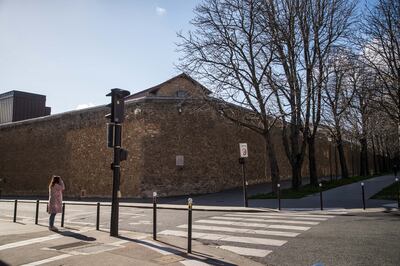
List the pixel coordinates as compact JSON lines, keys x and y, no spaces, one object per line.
{"x":110,"y":135}
{"x":114,"y":130}
{"x":117,"y":105}
{"x":123,"y":154}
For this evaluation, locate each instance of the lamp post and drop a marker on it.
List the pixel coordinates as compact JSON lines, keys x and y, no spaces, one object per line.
{"x":330,"y":157}
{"x":320,"y":196}
{"x":398,"y":192}
{"x":352,"y":157}
{"x":398,"y":151}
{"x":336,"y":165}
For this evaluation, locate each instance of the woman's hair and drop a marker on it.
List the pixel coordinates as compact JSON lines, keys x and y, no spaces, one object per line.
{"x":55,"y":179}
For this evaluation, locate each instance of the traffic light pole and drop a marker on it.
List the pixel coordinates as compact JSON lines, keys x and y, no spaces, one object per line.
{"x":116,"y":181}
{"x":114,"y":129}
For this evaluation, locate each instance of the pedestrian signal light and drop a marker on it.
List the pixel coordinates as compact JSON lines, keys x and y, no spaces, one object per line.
{"x":117,"y":105}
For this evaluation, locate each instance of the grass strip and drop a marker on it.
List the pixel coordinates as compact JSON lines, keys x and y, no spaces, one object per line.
{"x":388,"y":193}
{"x":308,"y":189}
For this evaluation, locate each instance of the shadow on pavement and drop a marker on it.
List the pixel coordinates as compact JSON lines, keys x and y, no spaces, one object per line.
{"x":75,"y":235}
{"x":2,"y":263}
{"x":178,"y":251}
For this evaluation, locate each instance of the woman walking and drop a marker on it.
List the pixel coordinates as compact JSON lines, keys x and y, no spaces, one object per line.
{"x":56,"y":188}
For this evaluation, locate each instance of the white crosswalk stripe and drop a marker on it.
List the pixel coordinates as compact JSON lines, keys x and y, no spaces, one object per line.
{"x":241,"y":230}
{"x":228,"y":238}
{"x":254,"y":252}
{"x":278,"y":217}
{"x":276,"y":226}
{"x":264,"y":220}
{"x":245,"y":233}
{"x":291,"y":214}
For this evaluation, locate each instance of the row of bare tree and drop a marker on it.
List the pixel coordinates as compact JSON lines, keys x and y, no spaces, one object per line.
{"x":305,"y":66}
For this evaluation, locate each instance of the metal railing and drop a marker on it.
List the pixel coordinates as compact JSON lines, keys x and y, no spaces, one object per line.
{"x":156,"y":206}
{"x":104,"y":204}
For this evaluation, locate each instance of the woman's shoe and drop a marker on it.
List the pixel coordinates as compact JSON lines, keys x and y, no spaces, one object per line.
{"x":53,"y":228}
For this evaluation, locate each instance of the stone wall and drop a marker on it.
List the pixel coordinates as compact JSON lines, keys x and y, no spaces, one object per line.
{"x":30,"y":153}
{"x":208,"y":143}
{"x":73,"y":145}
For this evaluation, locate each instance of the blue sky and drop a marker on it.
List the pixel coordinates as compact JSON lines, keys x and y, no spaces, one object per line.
{"x":74,"y":51}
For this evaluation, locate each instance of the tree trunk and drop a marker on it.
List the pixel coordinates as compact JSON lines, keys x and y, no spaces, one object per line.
{"x":382,"y":154}
{"x":294,"y":153}
{"x":296,"y":157}
{"x":342,"y":159}
{"x":312,"y":165}
{"x":374,"y":155}
{"x":364,"y":166}
{"x":352,"y":160}
{"x":296,"y":176}
{"x":273,"y":163}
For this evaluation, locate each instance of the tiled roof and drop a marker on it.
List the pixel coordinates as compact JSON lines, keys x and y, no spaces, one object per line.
{"x":154,"y":89}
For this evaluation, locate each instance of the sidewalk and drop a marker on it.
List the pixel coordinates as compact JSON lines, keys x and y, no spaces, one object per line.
{"x":348,"y":196}
{"x":28,"y":244}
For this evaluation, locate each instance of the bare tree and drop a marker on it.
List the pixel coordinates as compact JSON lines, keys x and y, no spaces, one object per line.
{"x":382,"y":130}
{"x":230,"y":52}
{"x":381,"y":48}
{"x":302,"y":34}
{"x":364,"y":84}
{"x":337,"y":98}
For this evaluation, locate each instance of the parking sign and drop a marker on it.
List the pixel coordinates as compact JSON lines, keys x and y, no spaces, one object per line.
{"x":243,"y":150}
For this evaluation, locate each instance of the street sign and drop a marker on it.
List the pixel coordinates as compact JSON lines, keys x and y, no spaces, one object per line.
{"x":179,"y":159}
{"x":243,"y":150}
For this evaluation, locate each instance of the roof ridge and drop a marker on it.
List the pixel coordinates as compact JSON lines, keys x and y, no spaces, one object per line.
{"x":157,"y":87}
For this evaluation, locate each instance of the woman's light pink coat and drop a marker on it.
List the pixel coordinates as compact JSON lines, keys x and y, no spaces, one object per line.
{"x":56,"y":197}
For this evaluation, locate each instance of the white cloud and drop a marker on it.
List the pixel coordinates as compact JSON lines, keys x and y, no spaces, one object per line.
{"x":160,"y":11}
{"x":84,"y":105}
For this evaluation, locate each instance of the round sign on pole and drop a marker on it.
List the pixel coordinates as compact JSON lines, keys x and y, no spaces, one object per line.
{"x":243,"y":150}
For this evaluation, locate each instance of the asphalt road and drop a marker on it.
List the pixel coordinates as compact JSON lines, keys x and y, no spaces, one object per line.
{"x":341,"y":238}
{"x":349,"y":239}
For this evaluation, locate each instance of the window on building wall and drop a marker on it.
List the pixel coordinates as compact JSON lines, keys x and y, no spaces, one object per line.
{"x":182,"y":94}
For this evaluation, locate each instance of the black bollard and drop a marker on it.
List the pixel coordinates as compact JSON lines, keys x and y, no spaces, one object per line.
{"x":98,"y":216}
{"x":15,"y":211}
{"x":245,"y":201}
{"x":279,"y":195}
{"x":398,"y":193}
{"x":62,"y":215}
{"x":155,"y":215}
{"x":320,"y":196}
{"x":363,"y":194}
{"x":37,"y":212}
{"x":189,"y":247}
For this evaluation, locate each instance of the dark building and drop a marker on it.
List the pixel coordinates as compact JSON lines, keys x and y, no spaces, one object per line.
{"x":18,"y":105}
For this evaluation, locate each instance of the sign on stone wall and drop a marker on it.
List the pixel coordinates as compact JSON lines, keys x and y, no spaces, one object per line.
{"x":179,"y":160}
{"x":243,"y":150}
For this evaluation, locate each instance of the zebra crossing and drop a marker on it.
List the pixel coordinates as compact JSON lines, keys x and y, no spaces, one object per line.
{"x":251,"y":234}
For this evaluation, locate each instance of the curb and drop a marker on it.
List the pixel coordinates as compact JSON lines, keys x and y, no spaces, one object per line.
{"x":159,"y":206}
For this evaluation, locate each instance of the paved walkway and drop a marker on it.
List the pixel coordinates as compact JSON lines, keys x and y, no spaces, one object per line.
{"x":348,"y":196}
{"x":28,"y":244}
{"x":83,"y":246}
